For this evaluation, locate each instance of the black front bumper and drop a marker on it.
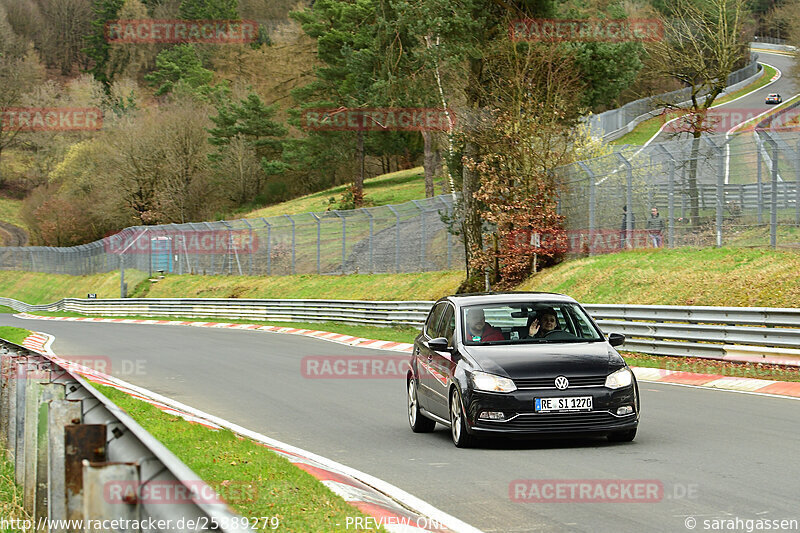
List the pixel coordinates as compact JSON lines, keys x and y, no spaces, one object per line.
{"x":520,"y":417}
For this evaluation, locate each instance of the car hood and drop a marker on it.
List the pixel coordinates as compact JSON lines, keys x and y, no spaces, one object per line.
{"x":537,"y":360}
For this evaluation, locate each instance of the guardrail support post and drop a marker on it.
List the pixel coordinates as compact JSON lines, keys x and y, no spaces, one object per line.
{"x":96,"y":502}
{"x":81,"y":442}
{"x":49,"y":392}
{"x":62,"y":413}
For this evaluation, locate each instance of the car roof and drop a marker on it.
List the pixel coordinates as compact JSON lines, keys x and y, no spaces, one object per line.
{"x":509,"y":297}
{"x":774,"y":94}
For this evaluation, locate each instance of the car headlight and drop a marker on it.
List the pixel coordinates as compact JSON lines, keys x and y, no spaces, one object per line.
{"x":491,"y":383}
{"x":621,"y":378}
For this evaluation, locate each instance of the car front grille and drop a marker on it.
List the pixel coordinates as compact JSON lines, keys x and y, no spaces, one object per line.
{"x":559,"y":422}
{"x":549,"y":383}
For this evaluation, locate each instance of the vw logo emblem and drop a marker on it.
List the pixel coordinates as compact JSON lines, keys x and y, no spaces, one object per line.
{"x":562,"y":383}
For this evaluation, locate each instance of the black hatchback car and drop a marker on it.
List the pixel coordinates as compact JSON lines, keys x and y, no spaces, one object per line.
{"x":521,"y":364}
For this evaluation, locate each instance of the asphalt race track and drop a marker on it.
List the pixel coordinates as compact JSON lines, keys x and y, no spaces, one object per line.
{"x":717,"y":454}
{"x":753,"y":103}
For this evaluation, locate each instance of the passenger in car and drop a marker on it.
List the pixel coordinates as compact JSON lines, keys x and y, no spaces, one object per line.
{"x":478,"y":330}
{"x":542,"y":323}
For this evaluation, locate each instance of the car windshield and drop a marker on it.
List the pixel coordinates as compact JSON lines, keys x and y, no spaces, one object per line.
{"x":527,"y":323}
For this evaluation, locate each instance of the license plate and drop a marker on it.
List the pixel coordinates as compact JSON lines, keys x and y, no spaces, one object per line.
{"x":570,"y":403}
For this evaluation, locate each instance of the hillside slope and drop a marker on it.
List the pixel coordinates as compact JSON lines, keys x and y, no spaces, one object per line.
{"x":685,"y":276}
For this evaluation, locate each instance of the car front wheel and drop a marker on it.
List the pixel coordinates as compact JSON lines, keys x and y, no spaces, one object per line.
{"x":458,"y":423}
{"x":418,"y":422}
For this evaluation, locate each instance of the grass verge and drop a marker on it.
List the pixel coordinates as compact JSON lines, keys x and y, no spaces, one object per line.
{"x":10,"y":496}
{"x":395,"y":333}
{"x":645,"y":130}
{"x":258,"y":482}
{"x":15,"y":335}
{"x":41,"y":288}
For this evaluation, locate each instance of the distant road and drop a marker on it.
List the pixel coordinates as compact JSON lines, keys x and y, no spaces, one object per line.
{"x":753,"y":102}
{"x":13,"y":235}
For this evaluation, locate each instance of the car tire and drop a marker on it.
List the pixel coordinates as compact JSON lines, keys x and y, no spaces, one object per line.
{"x":622,"y":436}
{"x":458,"y":423}
{"x":418,"y":422}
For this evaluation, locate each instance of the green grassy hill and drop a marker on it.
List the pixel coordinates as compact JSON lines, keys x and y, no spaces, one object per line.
{"x":684,"y":276}
{"x":393,"y":188}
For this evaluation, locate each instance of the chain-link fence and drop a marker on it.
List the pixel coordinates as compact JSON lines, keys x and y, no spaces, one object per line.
{"x":716,"y":190}
{"x":737,"y":190}
{"x":409,"y":237}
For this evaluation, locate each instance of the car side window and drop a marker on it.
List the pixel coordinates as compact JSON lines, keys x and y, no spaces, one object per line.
{"x":432,"y":325}
{"x":448,"y":324}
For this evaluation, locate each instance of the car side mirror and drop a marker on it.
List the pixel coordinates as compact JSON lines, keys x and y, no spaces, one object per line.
{"x":439,"y":344}
{"x":616,"y":339}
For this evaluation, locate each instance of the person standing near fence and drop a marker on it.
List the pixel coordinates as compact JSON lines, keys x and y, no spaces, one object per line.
{"x":623,"y":229}
{"x":655,"y":228}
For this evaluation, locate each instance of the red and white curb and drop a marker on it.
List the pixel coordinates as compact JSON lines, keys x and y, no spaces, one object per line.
{"x":716,"y":381}
{"x":713,"y":381}
{"x":390,"y":507}
{"x":324,"y":335}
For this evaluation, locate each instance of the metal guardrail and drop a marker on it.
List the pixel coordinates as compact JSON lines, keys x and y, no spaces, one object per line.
{"x":700,"y":331}
{"x":70,"y":445}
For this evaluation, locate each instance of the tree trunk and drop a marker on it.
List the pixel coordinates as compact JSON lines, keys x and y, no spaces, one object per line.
{"x":691,"y":184}
{"x":429,"y":162}
{"x":473,"y":238}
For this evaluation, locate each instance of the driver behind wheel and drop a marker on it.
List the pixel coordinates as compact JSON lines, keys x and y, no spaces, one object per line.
{"x":542,"y":323}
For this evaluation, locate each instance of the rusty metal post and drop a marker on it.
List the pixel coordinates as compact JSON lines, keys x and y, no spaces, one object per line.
{"x":81,"y":442}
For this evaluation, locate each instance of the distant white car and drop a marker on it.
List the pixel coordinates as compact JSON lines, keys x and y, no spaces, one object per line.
{"x":773,"y":98}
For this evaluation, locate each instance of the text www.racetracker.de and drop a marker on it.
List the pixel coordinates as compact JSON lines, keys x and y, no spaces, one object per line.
{"x":146,"y":524}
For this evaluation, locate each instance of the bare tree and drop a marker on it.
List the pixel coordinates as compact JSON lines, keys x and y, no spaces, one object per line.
{"x":67,"y":22}
{"x":704,"y":42}
{"x":20,"y":71}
